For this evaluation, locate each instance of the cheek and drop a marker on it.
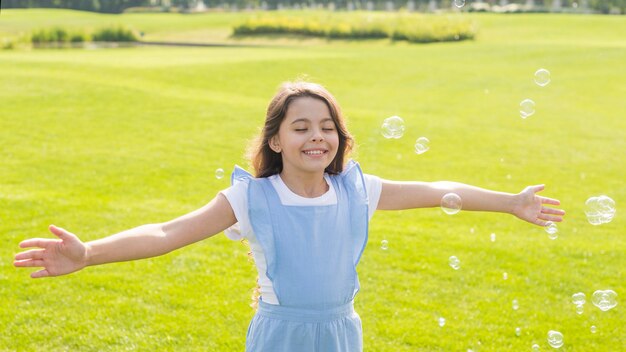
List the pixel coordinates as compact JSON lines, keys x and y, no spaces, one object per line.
{"x":336,"y":140}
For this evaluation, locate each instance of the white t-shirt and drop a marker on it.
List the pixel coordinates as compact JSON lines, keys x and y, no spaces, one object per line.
{"x":237,"y":196}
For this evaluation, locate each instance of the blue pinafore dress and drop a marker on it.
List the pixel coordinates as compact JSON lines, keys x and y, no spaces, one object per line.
{"x":311,"y":254}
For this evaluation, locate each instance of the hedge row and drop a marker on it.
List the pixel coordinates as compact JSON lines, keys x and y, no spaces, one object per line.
{"x":58,"y":35}
{"x":412,"y":28}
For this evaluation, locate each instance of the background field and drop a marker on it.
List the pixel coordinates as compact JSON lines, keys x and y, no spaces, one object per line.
{"x":98,"y":141}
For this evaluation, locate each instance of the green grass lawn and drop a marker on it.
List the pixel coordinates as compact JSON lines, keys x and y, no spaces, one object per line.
{"x":99,"y":141}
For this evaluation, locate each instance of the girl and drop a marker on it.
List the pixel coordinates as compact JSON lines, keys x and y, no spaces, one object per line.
{"x":305,"y":215}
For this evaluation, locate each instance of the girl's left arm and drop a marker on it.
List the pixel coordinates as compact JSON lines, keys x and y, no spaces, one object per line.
{"x":526,"y":205}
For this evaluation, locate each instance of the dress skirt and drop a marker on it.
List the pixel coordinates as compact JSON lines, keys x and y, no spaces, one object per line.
{"x":277,"y":328}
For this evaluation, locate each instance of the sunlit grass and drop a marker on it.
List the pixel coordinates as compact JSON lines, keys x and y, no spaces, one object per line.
{"x":98,"y":141}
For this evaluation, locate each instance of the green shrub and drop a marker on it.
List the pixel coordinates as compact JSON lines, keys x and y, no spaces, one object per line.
{"x":114,"y":34}
{"x":51,"y":35}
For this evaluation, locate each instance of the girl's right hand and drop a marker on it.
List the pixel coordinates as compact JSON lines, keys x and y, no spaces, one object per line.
{"x":57,"y":256}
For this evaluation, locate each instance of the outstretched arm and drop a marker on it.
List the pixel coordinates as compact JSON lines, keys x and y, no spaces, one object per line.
{"x":68,"y":254}
{"x":526,"y":205}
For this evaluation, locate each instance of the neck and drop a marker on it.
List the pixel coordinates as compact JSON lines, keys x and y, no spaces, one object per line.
{"x":305,"y":185}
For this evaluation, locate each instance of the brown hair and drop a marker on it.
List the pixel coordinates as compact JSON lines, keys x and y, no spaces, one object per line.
{"x":264,"y":160}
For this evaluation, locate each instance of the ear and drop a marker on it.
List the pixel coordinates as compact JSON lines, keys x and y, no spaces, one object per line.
{"x":274,"y":145}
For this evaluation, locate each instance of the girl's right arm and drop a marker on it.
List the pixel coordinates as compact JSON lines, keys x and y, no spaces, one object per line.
{"x":68,"y":254}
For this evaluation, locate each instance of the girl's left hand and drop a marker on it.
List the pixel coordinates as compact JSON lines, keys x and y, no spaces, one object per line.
{"x":530,"y":207}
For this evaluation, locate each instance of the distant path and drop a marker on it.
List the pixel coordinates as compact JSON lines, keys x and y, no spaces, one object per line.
{"x":202,"y":44}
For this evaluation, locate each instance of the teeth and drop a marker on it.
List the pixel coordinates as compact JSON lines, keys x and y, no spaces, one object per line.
{"x":314,"y":152}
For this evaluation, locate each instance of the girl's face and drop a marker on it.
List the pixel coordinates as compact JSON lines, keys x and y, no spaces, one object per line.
{"x":307,"y":137}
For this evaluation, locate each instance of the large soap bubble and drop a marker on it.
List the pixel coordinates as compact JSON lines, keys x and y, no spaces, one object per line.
{"x":600,"y":210}
{"x":393,"y":127}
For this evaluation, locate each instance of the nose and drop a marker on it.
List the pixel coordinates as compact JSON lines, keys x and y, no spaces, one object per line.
{"x":317,"y":136}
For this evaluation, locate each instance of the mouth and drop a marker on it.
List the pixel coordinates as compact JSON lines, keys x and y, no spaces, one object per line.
{"x":315,"y":152}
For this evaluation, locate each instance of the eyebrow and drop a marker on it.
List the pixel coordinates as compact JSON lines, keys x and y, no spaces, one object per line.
{"x":303,"y":119}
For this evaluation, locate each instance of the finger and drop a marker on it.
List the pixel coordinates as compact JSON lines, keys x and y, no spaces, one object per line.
{"x":40,"y":273}
{"x":552,"y":201}
{"x":537,"y":188}
{"x":550,"y":218}
{"x":38,"y":242}
{"x":553,"y":211}
{"x":31,"y":254}
{"x":60,"y":232}
{"x":540,"y":222}
{"x":28,"y":263}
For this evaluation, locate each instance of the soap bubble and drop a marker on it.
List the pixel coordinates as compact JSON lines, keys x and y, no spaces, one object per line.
{"x":451,"y":203}
{"x":219,"y":173}
{"x":454,"y":262}
{"x":518,"y":332}
{"x":578,"y":298}
{"x":542,"y":77}
{"x":441,"y":321}
{"x":393,"y":127}
{"x":604,"y":300}
{"x":459,"y":3}
{"x":505,"y":276}
{"x":527,"y":108}
{"x":515,"y":304}
{"x":593,"y":329}
{"x":493,"y":237}
{"x":384,"y":245}
{"x":580,"y":309}
{"x":600,"y":210}
{"x":552,"y":230}
{"x":535,"y":348}
{"x":555,"y":339}
{"x":421,"y":145}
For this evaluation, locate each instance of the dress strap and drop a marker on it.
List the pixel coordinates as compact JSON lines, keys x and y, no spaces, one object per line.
{"x":353,"y":179}
{"x":238,"y":175}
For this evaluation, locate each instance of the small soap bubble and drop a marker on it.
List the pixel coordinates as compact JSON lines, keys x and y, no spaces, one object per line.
{"x":535,"y":348}
{"x":578,"y":298}
{"x":527,"y":108}
{"x":580,"y":309}
{"x":552,"y":230}
{"x":454,"y":262}
{"x":518,"y":332}
{"x":451,"y":203}
{"x":600,"y":210}
{"x":459,"y":3}
{"x":384,"y":245}
{"x":555,"y":339}
{"x":472,"y":230}
{"x":604,"y":299}
{"x":593,"y":329}
{"x":505,"y":276}
{"x":393,"y":127}
{"x":542,"y":77}
{"x":492,"y":237}
{"x":219,"y":173}
{"x":422,"y":145}
{"x":515,"y":304}
{"x":441,"y":321}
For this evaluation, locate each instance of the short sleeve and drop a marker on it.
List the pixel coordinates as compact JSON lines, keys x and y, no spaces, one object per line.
{"x":374,"y":186}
